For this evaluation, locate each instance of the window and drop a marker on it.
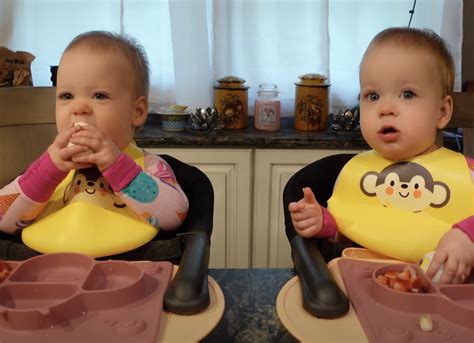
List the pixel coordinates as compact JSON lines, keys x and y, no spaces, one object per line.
{"x":192,"y":43}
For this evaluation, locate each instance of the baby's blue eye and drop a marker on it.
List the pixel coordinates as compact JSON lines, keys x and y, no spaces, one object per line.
{"x":373,"y":96}
{"x":100,"y":96}
{"x":65,"y":96}
{"x":408,"y":95}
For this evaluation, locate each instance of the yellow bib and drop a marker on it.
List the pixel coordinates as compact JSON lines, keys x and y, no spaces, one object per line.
{"x":84,"y":215}
{"x":402,"y":209}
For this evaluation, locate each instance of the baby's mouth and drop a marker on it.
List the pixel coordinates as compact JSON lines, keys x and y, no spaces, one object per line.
{"x":388,"y":133}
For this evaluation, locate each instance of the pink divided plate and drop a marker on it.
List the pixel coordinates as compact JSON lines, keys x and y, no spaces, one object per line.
{"x":391,"y":315}
{"x":378,"y":313}
{"x":71,"y":297}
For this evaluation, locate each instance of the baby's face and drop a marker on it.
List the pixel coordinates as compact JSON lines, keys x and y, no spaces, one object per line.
{"x":401,"y":103}
{"x":96,"y":88}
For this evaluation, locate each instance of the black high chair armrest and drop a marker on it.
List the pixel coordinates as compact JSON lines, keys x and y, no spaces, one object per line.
{"x":188,"y":292}
{"x":321,"y":295}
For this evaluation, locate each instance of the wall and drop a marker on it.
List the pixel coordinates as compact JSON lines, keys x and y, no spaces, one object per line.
{"x":468,"y":42}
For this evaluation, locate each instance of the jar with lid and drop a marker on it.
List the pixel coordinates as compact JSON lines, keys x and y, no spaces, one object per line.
{"x":311,"y":103}
{"x":267,"y":108}
{"x":231,"y":101}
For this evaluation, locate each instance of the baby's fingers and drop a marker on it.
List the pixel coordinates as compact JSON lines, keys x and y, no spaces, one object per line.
{"x":461,"y":274}
{"x":296,"y":206}
{"x":304,"y":214}
{"x":438,"y":259}
{"x":309,"y":197}
{"x":306,"y":228}
{"x":62,"y":139}
{"x":450,"y":271}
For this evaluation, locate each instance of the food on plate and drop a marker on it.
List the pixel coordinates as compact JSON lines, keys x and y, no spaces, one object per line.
{"x":4,"y":271}
{"x":426,"y":324}
{"x":405,"y":281}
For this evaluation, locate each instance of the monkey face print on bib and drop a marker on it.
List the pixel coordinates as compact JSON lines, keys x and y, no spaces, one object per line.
{"x":402,"y":209}
{"x":405,"y":185}
{"x":84,"y":215}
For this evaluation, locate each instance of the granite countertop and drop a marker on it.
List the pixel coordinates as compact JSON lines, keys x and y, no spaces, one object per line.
{"x":152,"y":135}
{"x":287,"y":137}
{"x":250,"y":305}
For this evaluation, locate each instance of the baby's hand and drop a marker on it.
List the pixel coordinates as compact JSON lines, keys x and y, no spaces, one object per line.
{"x":456,"y":251}
{"x":306,"y":214}
{"x":61,"y":152}
{"x":102,"y":151}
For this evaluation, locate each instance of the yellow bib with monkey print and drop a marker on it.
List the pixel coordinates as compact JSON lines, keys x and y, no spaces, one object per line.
{"x":402,"y":209}
{"x":84,"y":215}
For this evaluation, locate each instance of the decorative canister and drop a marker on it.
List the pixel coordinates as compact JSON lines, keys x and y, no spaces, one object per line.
{"x":311,"y":103}
{"x":231,"y":101}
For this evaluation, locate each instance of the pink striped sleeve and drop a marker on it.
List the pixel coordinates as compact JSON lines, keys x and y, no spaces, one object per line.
{"x":122,"y":172}
{"x":41,"y":179}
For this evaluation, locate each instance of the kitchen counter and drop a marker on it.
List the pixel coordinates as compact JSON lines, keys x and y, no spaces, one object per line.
{"x":153,"y":135}
{"x":250,"y":305}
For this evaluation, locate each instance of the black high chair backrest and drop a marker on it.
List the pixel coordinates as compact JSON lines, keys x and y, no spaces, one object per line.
{"x":322,"y":296}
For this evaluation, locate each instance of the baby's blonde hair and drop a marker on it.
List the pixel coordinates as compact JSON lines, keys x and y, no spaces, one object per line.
{"x":126,"y":46}
{"x":427,"y":40}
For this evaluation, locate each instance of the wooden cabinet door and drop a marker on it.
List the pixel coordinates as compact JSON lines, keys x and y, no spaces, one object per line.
{"x":273,"y":169}
{"x":230,"y":172}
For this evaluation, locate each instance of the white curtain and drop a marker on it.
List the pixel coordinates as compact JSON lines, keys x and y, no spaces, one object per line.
{"x":191,"y":43}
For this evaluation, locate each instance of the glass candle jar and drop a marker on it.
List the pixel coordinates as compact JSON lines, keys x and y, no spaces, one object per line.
{"x":267,"y":108}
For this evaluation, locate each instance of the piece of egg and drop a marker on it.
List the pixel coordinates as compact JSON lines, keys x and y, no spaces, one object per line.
{"x":81,"y":124}
{"x":425,"y":263}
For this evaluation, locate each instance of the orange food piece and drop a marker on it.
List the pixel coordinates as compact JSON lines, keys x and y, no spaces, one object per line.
{"x":4,"y":271}
{"x":383,"y":280}
{"x":405,"y":281}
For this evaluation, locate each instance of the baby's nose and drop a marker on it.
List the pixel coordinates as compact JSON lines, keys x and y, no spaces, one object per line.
{"x":81,"y":107}
{"x":387,"y":107}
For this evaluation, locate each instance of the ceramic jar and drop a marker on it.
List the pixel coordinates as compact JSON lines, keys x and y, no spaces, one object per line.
{"x":231,"y":101}
{"x":311,"y":103}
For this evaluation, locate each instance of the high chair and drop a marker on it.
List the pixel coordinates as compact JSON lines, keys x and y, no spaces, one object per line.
{"x":27,"y":127}
{"x":321,"y":295}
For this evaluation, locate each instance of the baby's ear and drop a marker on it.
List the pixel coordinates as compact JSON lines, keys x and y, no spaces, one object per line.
{"x":446,"y":111}
{"x":140,"y":111}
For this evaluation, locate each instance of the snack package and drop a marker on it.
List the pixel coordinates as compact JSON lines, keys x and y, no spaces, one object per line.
{"x":15,"y":68}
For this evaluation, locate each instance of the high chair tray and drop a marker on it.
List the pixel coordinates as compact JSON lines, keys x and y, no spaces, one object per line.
{"x":193,"y":328}
{"x":71,"y":297}
{"x":381,"y":314}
